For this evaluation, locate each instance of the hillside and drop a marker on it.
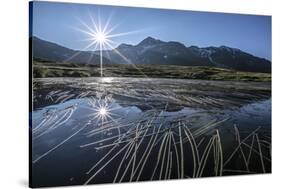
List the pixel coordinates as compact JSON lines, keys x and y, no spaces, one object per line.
{"x":56,"y":69}
{"x":151,"y":51}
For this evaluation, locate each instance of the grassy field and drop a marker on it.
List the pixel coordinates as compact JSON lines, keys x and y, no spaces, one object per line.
{"x":42,"y":69}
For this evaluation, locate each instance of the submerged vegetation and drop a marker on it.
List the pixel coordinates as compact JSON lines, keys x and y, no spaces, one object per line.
{"x":110,"y":130}
{"x":153,"y":146}
{"x":42,"y":69}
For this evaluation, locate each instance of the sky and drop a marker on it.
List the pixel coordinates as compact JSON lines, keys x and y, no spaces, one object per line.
{"x":62,"y":23}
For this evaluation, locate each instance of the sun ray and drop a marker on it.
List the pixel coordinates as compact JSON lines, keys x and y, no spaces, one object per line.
{"x":92,"y":53}
{"x":107,"y":22}
{"x":102,"y":36}
{"x":86,"y":25}
{"x":93,"y":22}
{"x":85,"y":32}
{"x":103,"y":111}
{"x":110,"y":30}
{"x":126,"y":59}
{"x":99,"y":21}
{"x":79,"y":52}
{"x":124,"y":33}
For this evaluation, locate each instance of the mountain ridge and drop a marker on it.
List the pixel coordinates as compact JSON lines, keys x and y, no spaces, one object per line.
{"x":155,"y":51}
{"x":51,"y":51}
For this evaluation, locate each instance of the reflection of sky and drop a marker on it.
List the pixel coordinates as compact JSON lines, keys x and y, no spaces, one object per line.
{"x":55,"y":21}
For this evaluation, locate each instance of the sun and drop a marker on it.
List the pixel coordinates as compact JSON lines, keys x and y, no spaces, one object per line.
{"x":103,"y":111}
{"x":100,"y":37}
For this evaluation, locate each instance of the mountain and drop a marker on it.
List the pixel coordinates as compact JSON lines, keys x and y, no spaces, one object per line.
{"x":53,"y":52}
{"x":154,"y":51}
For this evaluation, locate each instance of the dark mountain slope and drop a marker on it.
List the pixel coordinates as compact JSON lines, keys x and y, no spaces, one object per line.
{"x":54,"y":52}
{"x":153,"y":51}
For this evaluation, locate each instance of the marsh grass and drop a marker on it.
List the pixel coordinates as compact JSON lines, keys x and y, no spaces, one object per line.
{"x":157,"y":146}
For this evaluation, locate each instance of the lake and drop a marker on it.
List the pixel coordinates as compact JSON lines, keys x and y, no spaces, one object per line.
{"x":105,"y":130}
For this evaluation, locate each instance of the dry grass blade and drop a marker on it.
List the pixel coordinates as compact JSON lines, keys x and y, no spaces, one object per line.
{"x":205,"y":157}
{"x":194,"y":150}
{"x":261,"y":155}
{"x":159,"y":155}
{"x":238,"y":147}
{"x":177,"y":155}
{"x":60,"y":144}
{"x":98,"y":171}
{"x":182,"y":157}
